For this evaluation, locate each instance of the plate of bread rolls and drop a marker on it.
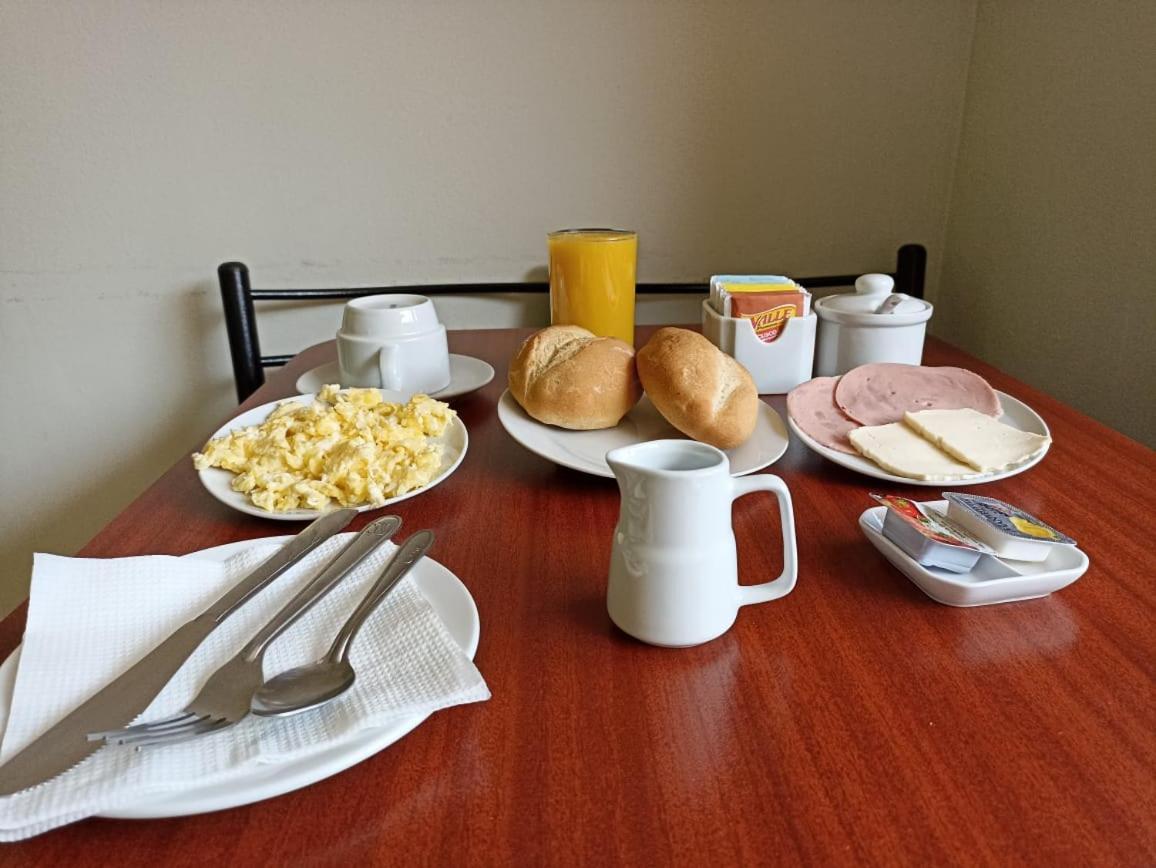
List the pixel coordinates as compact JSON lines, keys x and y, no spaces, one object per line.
{"x":573,"y":397}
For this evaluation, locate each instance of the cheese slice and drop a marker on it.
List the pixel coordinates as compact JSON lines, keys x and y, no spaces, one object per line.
{"x":975,"y":438}
{"x":899,"y":450}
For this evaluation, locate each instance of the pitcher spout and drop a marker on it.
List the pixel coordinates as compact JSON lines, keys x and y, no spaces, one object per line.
{"x":623,"y":464}
{"x":665,"y":458}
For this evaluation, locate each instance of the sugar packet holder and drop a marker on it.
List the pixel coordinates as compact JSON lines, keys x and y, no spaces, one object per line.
{"x":776,"y":366}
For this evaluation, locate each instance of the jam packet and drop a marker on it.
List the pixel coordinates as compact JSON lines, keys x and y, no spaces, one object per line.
{"x":928,"y":537}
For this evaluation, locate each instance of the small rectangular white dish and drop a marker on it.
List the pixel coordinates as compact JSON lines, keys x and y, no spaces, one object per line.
{"x":992,"y":580}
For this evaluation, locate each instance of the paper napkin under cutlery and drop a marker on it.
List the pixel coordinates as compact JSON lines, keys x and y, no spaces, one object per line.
{"x":90,"y":619}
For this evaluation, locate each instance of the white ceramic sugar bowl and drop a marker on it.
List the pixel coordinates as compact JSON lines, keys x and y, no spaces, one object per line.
{"x":870,"y":325}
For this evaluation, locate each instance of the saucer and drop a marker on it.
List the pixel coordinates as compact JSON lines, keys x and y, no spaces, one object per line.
{"x":466,"y":375}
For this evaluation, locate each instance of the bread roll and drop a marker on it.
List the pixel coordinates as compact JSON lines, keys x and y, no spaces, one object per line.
{"x":567,"y":376}
{"x":701,"y":391}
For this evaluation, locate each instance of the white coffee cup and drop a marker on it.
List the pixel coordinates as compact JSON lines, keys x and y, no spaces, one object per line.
{"x":673,"y":566}
{"x":393,"y":341}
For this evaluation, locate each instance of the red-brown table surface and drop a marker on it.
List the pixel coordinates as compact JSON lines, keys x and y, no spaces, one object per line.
{"x":854,"y":721}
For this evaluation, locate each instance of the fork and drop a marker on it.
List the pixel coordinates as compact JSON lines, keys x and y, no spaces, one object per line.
{"x":224,"y":699}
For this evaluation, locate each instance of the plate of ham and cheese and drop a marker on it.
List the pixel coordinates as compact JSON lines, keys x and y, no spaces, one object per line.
{"x":918,"y":425}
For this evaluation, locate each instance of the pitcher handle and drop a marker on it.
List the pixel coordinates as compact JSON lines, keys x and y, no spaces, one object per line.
{"x":388,"y":361}
{"x":785,"y":583}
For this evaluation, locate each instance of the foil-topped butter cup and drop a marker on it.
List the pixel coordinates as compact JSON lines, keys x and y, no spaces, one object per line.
{"x":1010,"y":531}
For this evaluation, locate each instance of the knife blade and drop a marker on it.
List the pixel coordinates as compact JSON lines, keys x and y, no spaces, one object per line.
{"x":117,"y":704}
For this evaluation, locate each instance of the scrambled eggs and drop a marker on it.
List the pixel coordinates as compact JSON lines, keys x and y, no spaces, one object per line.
{"x":349,"y":446}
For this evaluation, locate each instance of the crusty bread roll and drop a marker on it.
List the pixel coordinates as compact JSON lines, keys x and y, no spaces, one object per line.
{"x":567,"y":376}
{"x":701,"y":391}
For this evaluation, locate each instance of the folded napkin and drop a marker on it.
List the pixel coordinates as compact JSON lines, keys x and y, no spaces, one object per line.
{"x":90,"y":619}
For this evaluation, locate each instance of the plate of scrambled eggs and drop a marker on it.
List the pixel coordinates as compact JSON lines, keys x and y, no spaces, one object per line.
{"x":296,"y":458}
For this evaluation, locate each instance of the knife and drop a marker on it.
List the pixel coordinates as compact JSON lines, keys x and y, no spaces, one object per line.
{"x":119,"y":703}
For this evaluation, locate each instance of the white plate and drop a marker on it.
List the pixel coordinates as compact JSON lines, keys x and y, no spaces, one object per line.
{"x":219,"y":482}
{"x":453,"y":604}
{"x":992,"y":580}
{"x":466,"y":375}
{"x":1015,"y":413}
{"x":586,"y":450}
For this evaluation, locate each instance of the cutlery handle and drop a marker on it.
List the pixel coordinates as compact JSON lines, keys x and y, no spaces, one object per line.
{"x":373,"y":535}
{"x":411,"y":551}
{"x":289,"y":554}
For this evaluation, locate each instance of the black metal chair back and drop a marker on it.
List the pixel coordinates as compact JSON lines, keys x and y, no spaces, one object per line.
{"x":249,"y":365}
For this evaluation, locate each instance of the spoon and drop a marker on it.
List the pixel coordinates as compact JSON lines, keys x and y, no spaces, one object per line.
{"x":891,"y":302}
{"x":304,"y":687}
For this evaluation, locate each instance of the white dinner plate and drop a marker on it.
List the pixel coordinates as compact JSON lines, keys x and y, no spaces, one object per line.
{"x":467,"y":374}
{"x":1015,"y":413}
{"x":219,"y":482}
{"x":452,"y":603}
{"x":586,"y":450}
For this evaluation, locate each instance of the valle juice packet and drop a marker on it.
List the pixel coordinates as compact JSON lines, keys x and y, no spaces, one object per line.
{"x":767,"y":300}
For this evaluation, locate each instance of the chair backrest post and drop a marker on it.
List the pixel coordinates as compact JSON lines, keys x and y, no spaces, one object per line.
{"x":241,"y":325}
{"x":911,"y":269}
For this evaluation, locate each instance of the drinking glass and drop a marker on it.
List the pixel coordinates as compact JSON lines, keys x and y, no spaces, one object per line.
{"x":592,"y":280}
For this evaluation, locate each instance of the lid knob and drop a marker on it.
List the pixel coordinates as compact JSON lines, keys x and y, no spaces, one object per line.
{"x":874,"y":284}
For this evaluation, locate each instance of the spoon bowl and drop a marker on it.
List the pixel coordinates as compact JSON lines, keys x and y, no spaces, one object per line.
{"x":303,"y":687}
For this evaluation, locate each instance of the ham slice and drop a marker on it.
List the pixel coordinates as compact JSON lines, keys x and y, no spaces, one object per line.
{"x":880,"y":394}
{"x":812,"y":407}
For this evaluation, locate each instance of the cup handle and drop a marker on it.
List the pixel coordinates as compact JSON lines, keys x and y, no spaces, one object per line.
{"x":785,"y":583}
{"x":387,"y":362}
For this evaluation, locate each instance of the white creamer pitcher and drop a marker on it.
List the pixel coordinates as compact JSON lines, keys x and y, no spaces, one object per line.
{"x":674,"y":568}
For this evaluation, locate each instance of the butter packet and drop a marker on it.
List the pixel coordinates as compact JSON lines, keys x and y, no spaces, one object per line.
{"x":1011,"y":532}
{"x":767,"y":300}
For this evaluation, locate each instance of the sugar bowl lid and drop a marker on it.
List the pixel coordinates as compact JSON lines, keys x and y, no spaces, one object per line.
{"x":874,"y":304}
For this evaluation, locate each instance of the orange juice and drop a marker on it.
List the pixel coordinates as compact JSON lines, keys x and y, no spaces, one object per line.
{"x":592,"y":280}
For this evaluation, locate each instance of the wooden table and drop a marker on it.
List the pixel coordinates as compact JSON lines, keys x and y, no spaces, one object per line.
{"x":855,"y":721}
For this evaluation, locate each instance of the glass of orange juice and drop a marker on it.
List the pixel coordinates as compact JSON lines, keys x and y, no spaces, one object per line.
{"x":592,"y":280}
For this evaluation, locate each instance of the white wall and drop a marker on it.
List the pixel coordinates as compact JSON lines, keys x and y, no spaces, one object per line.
{"x":1050,"y":267}
{"x":346,"y":142}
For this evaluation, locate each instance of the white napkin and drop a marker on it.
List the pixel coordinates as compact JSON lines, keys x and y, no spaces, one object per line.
{"x":90,"y":619}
